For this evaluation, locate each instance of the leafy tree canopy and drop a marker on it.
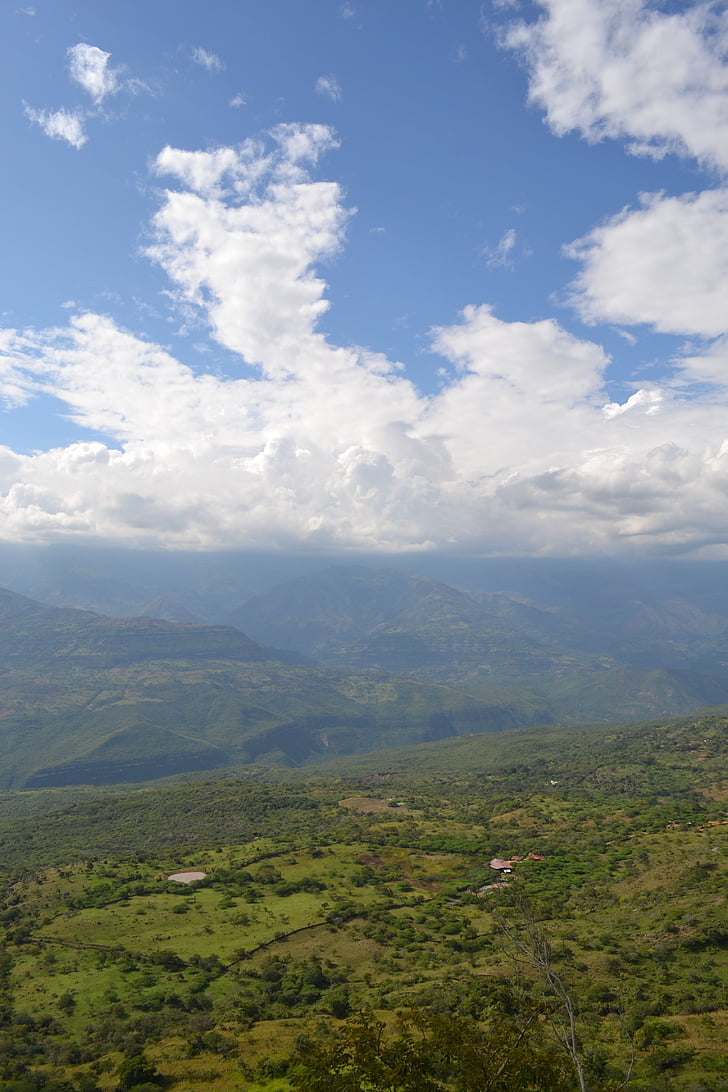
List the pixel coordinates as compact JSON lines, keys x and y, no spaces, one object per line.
{"x":428,"y":1052}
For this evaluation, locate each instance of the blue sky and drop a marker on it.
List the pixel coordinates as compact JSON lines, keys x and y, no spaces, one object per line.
{"x":337,"y":276}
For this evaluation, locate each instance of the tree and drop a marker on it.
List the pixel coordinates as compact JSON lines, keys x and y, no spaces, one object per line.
{"x":137,"y":1071}
{"x":427,"y":1052}
{"x":531,"y":948}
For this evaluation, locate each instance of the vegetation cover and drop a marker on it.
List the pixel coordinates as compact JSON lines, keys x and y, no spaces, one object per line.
{"x":473,"y":913}
{"x":92,"y":700}
{"x":373,"y":659}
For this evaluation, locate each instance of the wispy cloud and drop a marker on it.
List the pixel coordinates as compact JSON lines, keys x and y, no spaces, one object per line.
{"x":60,"y":124}
{"x":89,"y":67}
{"x":16,"y":385}
{"x":502,"y":253}
{"x":207,"y":60}
{"x":238,"y":100}
{"x":329,"y":86}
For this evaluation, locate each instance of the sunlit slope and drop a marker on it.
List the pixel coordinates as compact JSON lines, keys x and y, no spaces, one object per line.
{"x":367,"y":886}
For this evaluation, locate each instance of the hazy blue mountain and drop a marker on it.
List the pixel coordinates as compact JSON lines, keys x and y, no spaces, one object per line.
{"x":607,"y":595}
{"x":89,"y":699}
{"x":648,"y":657}
{"x":361,"y":615}
{"x":126,"y":582}
{"x":35,"y":635}
{"x":528,"y":640}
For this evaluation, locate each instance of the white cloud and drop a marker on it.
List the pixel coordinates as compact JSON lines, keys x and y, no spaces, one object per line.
{"x":518,"y":382}
{"x":207,"y":60}
{"x":250,"y":265}
{"x":707,"y":366}
{"x":89,"y":67}
{"x":664,"y":265}
{"x":652,"y":399}
{"x":237,"y":101}
{"x":622,"y":69}
{"x":16,"y":386}
{"x":515,"y":454}
{"x":501,"y":253}
{"x":312,"y":444}
{"x":659,"y":80}
{"x":329,"y":86}
{"x":60,"y":125}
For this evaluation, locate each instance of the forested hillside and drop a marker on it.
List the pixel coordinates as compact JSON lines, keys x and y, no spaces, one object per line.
{"x":446,"y":904}
{"x":366,"y":659}
{"x":92,"y":700}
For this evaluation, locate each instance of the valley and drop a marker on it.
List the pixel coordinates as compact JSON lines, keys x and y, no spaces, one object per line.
{"x":368,"y":888}
{"x":409,"y":830}
{"x":342,"y":661}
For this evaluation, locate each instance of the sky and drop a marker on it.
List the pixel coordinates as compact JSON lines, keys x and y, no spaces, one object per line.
{"x":365,"y":276}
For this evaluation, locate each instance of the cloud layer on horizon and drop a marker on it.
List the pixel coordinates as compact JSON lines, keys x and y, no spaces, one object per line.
{"x":311,"y":445}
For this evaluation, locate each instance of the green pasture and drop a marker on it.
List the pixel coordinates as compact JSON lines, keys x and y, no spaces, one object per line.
{"x":359,"y":894}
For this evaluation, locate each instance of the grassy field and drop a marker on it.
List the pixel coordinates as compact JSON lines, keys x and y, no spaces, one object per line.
{"x":374,"y":892}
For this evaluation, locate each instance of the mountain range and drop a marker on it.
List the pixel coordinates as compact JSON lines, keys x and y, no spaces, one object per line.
{"x":345,"y":757}
{"x":342,"y":660}
{"x":88,"y":699}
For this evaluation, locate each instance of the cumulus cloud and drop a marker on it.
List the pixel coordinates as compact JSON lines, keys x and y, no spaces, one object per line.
{"x":657,"y":79}
{"x":652,"y":400}
{"x":664,"y":265}
{"x":89,"y":67}
{"x":329,"y":86}
{"x":249,"y":266}
{"x":207,"y":60}
{"x":623,"y":69}
{"x":516,"y":384}
{"x":515,"y":454}
{"x":313,"y":444}
{"x":60,"y":124}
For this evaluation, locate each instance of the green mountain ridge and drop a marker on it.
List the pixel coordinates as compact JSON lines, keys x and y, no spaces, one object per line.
{"x":86,"y":699}
{"x":374,"y":659}
{"x":32,"y":634}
